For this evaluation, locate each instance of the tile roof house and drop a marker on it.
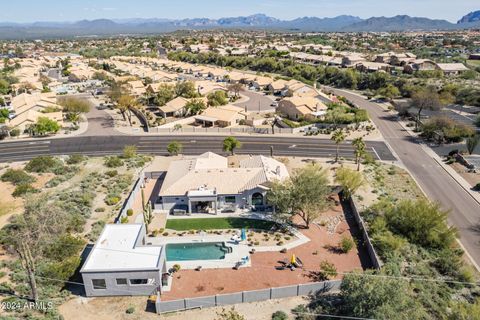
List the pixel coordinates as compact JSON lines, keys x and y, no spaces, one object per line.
{"x":174,"y":108}
{"x":207,"y":184}
{"x":297,"y":108}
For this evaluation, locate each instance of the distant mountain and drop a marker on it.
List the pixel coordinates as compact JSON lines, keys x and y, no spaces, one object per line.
{"x":320,"y":24}
{"x":136,"y":26}
{"x":471,"y":17}
{"x":399,"y":23}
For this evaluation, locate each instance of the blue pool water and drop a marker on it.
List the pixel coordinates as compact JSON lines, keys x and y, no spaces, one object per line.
{"x":196,"y":251}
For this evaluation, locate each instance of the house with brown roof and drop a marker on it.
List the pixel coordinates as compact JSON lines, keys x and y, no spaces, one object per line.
{"x":298,"y":108}
{"x":221,"y":116}
{"x":174,"y":108}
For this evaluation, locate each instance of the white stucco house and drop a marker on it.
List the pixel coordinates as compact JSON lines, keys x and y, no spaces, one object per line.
{"x":207,"y":184}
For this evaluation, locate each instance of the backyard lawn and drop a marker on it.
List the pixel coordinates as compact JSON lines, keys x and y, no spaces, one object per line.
{"x":218,"y":223}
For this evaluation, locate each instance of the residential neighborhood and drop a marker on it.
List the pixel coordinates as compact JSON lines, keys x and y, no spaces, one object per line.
{"x":316,"y":161}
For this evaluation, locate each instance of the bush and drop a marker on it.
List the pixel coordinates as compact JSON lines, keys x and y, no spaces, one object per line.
{"x":346,"y":244}
{"x":453,"y":131}
{"x":23,"y":189}
{"x":43,"y":164}
{"x":113,"y":162}
{"x":75,"y":159}
{"x":130,"y":310}
{"x":130,"y":212}
{"x":129,"y":152}
{"x":14,"y":132}
{"x":327,"y":270}
{"x":477,"y":187}
{"x":124,"y":220}
{"x":17,"y":177}
{"x":279,"y":315}
{"x":176,"y":267}
{"x":113,"y":200}
{"x":111,"y":173}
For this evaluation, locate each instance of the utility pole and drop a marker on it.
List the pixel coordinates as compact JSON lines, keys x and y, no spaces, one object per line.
{"x":271,"y":151}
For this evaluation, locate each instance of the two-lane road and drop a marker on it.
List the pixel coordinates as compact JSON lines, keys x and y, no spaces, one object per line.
{"x":433,"y":179}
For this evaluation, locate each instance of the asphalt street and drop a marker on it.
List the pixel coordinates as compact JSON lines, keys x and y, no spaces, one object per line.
{"x":192,"y":145}
{"x":432,"y":178}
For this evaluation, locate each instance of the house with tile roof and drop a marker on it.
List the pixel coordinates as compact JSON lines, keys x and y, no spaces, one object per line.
{"x":207,"y":184}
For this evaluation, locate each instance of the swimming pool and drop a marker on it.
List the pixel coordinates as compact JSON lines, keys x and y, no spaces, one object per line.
{"x":197,"y":251}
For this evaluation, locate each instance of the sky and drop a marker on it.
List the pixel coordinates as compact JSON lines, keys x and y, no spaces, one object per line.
{"x":73,"y":10}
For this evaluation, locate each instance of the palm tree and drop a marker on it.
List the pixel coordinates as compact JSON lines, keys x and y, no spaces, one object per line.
{"x":338,"y":136}
{"x":359,"y":145}
{"x":174,"y":148}
{"x":230,"y":144}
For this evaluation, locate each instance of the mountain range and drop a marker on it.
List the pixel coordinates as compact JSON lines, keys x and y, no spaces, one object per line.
{"x":343,"y":23}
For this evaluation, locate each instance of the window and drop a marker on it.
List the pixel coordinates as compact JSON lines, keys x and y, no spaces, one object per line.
{"x":230,"y":199}
{"x":121,"y":282}
{"x":99,"y":284}
{"x":141,"y":281}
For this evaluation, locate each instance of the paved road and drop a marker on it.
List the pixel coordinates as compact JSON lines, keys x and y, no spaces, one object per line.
{"x":193,"y":144}
{"x":434,"y":180}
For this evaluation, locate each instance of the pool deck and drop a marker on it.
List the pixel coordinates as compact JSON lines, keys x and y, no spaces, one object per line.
{"x":240,"y":249}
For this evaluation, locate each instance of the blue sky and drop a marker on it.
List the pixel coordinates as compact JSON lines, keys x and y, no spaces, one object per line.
{"x":70,"y":10}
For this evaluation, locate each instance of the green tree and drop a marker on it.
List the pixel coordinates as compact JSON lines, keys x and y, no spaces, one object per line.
{"x":390,"y":92}
{"x":124,"y":105}
{"x":378,"y":298}
{"x":186,"y":89}
{"x":230,"y":144}
{"x":421,"y":222}
{"x":195,"y":106}
{"x":236,"y":88}
{"x":359,"y":146}
{"x":350,"y":181}
{"x":338,"y":136}
{"x":174,"y":148}
{"x":165,"y":94}
{"x":427,"y":98}
{"x":44,"y":126}
{"x":31,"y":235}
{"x":73,"y":107}
{"x":304,"y":194}
{"x":217,"y":98}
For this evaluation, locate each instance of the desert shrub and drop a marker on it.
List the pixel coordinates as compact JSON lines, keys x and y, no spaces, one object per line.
{"x":279,"y":315}
{"x":75,"y":159}
{"x":17,"y":176}
{"x":43,"y":164}
{"x":111,"y":173}
{"x":113,"y":162}
{"x":23,"y":189}
{"x":130,"y":212}
{"x":15,"y":132}
{"x":130,"y":310}
{"x":113,"y":200}
{"x":452,"y":131}
{"x":327,"y":270}
{"x":97,"y":228}
{"x":346,"y":244}
{"x":124,"y":220}
{"x":421,"y":222}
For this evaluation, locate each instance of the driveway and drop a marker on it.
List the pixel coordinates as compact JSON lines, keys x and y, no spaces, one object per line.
{"x":257,"y":102}
{"x":100,"y":123}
